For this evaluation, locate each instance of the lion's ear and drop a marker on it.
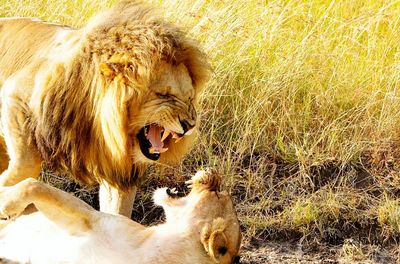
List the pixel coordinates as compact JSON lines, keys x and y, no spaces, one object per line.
{"x":106,"y":70}
{"x":109,"y":68}
{"x":135,"y":73}
{"x":214,"y":239}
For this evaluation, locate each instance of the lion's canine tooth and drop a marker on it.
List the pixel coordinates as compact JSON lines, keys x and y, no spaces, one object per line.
{"x":165,"y":135}
{"x":176,"y":136}
{"x":152,"y":150}
{"x":178,"y":139}
{"x":163,"y":150}
{"x":189,"y":132}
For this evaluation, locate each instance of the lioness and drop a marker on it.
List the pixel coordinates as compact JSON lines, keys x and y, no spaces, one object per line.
{"x":200,"y":228}
{"x":101,"y":102}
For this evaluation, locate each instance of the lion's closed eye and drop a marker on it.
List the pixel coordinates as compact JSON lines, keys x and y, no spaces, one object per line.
{"x":163,"y":95}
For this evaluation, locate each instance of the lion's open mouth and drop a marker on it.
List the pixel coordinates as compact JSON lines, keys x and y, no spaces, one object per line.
{"x":154,"y":140}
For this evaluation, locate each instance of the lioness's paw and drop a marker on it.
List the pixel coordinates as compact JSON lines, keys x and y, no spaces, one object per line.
{"x":160,"y":196}
{"x":166,"y":196}
{"x":205,"y":179}
{"x":10,"y":206}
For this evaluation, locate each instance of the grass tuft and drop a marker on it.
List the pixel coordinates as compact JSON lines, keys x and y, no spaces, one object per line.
{"x":388,"y":213}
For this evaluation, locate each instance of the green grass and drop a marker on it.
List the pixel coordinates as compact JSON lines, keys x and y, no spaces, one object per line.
{"x":302,"y":114}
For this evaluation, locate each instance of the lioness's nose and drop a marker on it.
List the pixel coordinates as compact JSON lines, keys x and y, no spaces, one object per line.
{"x":186,"y":125}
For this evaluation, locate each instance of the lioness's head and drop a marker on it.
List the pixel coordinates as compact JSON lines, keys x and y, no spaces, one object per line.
{"x":206,"y":209}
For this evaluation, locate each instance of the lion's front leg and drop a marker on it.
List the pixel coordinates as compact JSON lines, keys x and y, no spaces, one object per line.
{"x":24,"y":160}
{"x":20,"y":168}
{"x":4,"y":159}
{"x":114,"y":201}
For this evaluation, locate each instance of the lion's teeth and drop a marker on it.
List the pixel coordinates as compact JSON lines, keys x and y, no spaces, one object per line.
{"x":176,"y":136}
{"x":188,"y":133}
{"x":165,"y":135}
{"x":153,"y":150}
{"x":163,"y":150}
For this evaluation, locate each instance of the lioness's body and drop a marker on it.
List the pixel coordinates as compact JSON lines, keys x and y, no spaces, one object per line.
{"x":111,"y":239}
{"x":201,"y":228}
{"x":95,"y":101}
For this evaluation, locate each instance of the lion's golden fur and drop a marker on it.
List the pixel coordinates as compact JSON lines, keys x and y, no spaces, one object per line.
{"x":85,"y":88}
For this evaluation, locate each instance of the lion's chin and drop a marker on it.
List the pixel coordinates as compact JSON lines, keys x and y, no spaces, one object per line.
{"x":154,"y":140}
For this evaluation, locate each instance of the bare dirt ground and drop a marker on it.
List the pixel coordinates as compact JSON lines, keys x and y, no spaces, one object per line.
{"x":275,"y":252}
{"x":294,"y":252}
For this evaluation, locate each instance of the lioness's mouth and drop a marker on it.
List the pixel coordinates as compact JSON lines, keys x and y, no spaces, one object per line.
{"x":154,"y":140}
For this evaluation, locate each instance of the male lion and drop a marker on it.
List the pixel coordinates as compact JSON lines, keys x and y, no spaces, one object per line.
{"x":100,"y":102}
{"x":200,"y":228}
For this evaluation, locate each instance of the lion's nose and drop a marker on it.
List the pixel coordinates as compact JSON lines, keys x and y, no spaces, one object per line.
{"x":186,"y":126}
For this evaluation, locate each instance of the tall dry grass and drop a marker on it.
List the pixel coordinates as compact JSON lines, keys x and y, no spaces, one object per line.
{"x":302,"y":114}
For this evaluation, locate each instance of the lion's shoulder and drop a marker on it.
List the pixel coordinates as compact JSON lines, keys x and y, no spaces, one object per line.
{"x":22,"y":40}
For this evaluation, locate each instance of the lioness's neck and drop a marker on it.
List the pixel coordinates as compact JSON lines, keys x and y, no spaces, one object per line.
{"x":177,"y":244}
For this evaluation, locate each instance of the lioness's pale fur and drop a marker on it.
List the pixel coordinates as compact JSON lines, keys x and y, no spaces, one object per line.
{"x":201,"y":228}
{"x":78,"y":99}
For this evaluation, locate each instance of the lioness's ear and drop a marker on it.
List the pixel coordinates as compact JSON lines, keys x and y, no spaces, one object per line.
{"x":214,"y":239}
{"x":218,"y":245}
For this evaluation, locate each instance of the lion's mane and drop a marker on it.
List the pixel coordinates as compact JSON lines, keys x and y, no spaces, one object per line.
{"x":82,"y":121}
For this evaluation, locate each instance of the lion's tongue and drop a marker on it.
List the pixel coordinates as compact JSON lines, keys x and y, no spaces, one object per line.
{"x":154,"y":136}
